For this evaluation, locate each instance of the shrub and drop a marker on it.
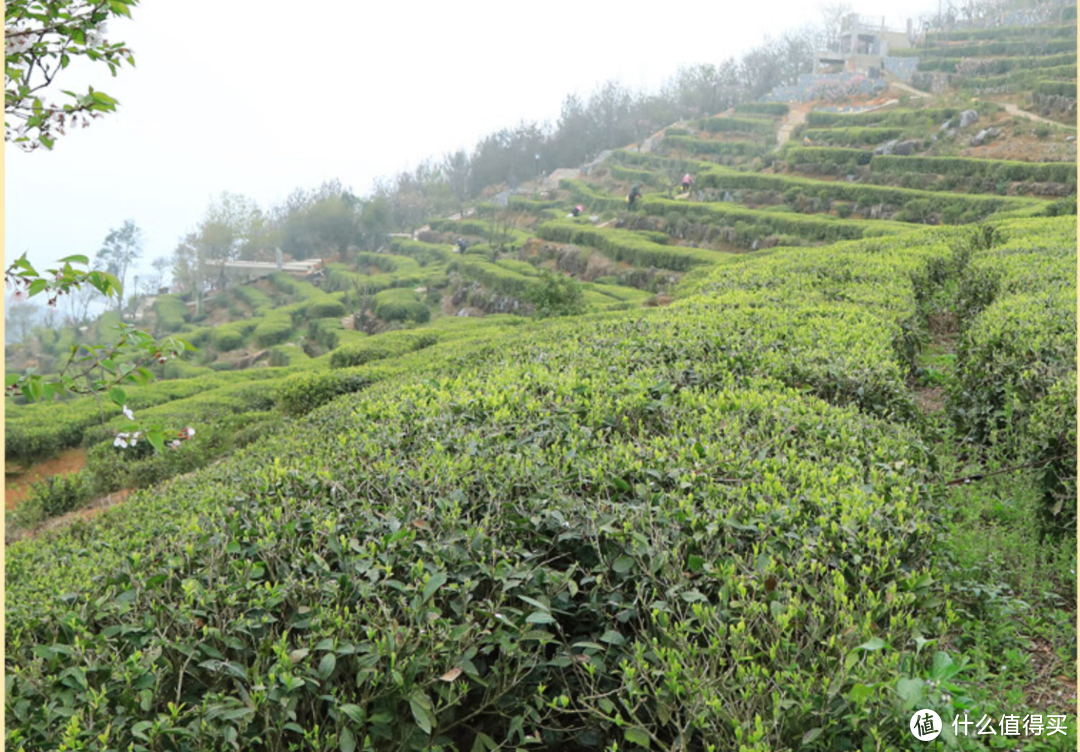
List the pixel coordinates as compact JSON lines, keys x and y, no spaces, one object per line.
{"x":325,"y":332}
{"x":171,"y":313}
{"x":738,"y":125}
{"x":325,"y":308}
{"x":1016,"y":362}
{"x":700,"y":146}
{"x":401,"y":305}
{"x":989,"y":169}
{"x":259,"y":301}
{"x":52,"y":497}
{"x":230,"y":336}
{"x":626,"y":245}
{"x":831,"y":156}
{"x":423,"y":253}
{"x":274,"y":328}
{"x":1057,"y":88}
{"x":301,"y":393}
{"x":556,"y":295}
{"x":852,"y":136}
{"x":889,"y":118}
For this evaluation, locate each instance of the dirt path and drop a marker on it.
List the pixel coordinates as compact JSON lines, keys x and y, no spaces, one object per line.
{"x":1010,"y":108}
{"x":796,"y":116}
{"x":1015,"y":111}
{"x":17,"y":486}
{"x":93,"y":509}
{"x":915,"y":93}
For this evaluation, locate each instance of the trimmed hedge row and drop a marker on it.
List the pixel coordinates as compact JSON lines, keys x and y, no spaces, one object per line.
{"x":398,"y":531}
{"x":1015,"y":386}
{"x":1058,"y":88}
{"x":1003,"y":32}
{"x":895,"y":118}
{"x":401,"y":305}
{"x":838,"y":156}
{"x":231,"y":336}
{"x":171,"y":313}
{"x":423,"y":253}
{"x":699,"y":146}
{"x":820,"y":228}
{"x":994,"y":169}
{"x":259,"y":301}
{"x":938,"y":202}
{"x":626,"y":245}
{"x":494,"y":276}
{"x":274,"y":328}
{"x":1033,"y":48}
{"x":764,"y":108}
{"x":852,"y":136}
{"x":38,"y":431}
{"x":764,"y":126}
{"x":591,"y":198}
{"x":1000,"y":65}
{"x":645,"y":177}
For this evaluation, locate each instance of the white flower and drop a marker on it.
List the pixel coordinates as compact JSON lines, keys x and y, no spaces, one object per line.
{"x":20,"y":296}
{"x":120,"y":441}
{"x":128,"y":414}
{"x":17,"y":45}
{"x":176,"y":444}
{"x":190,"y":432}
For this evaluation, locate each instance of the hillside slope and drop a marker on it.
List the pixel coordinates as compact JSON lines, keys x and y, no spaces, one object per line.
{"x":802,"y":461}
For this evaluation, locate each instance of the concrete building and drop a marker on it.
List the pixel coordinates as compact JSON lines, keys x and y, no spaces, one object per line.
{"x":863,"y":46}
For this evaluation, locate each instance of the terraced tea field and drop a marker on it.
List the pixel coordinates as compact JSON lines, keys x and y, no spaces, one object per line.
{"x":799,"y":460}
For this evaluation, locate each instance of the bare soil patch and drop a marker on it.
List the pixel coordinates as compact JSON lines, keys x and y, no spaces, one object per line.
{"x":17,"y":482}
{"x":1053,"y":688}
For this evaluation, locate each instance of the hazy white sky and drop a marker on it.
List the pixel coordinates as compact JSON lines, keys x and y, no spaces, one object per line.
{"x":262,"y":96}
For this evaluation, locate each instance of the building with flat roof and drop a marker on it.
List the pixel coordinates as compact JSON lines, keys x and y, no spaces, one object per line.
{"x":863,"y":46}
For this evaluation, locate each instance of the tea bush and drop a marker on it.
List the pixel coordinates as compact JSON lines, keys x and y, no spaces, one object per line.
{"x":274,"y":328}
{"x":401,"y":305}
{"x":170,"y":313}
{"x":895,"y":118}
{"x":423,"y":253}
{"x":325,"y":308}
{"x":1016,"y":360}
{"x":831,"y":156}
{"x":991,"y":169}
{"x":852,"y":136}
{"x":625,"y":245}
{"x":53,"y":496}
{"x":700,"y":146}
{"x":259,"y":301}
{"x":630,"y":456}
{"x":231,"y":336}
{"x":763,"y":223}
{"x":738,"y":125}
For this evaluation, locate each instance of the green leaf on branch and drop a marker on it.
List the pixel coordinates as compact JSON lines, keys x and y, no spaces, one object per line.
{"x":638,"y":736}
